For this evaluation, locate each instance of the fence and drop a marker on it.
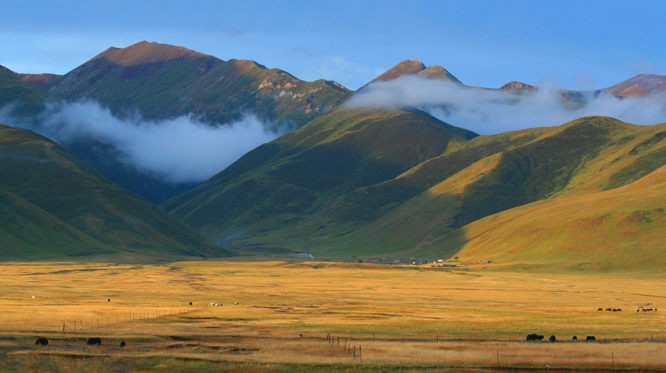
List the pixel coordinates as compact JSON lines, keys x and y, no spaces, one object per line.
{"x":83,"y":325}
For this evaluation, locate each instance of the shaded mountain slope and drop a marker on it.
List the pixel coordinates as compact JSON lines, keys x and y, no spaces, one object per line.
{"x":282,"y":184}
{"x":162,"y":81}
{"x":41,"y":174}
{"x":28,"y":232}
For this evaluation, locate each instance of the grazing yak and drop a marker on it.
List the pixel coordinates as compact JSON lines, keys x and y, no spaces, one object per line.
{"x":42,"y":342}
{"x":534,"y":337}
{"x":122,"y":344}
{"x":575,"y":338}
{"x":552,"y":338}
{"x":94,"y":341}
{"x":590,"y":338}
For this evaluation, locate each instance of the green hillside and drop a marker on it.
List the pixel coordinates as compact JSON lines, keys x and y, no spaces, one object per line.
{"x":575,"y":161}
{"x":312,"y":191}
{"x":286,"y":183}
{"x":163,"y":81}
{"x":622,"y":229}
{"x":28,"y":232}
{"x":46,"y":188}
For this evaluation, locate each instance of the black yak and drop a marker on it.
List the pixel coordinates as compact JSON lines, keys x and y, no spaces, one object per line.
{"x":94,"y":341}
{"x":42,"y":342}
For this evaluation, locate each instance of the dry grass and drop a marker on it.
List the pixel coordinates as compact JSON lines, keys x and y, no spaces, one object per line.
{"x":400,"y":316}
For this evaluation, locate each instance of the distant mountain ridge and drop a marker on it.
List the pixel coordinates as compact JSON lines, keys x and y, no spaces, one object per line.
{"x":163,"y":81}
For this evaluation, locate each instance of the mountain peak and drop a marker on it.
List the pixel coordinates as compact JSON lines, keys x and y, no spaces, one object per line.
{"x":406,"y":67}
{"x":417,"y":68}
{"x":640,"y":85}
{"x":145,"y":52}
{"x":514,"y":85}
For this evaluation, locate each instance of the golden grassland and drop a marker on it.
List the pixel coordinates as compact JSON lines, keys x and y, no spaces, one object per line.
{"x":404,"y":318}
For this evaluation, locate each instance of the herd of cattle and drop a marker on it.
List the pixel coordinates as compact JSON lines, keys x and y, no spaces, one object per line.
{"x":620,"y":310}
{"x":536,"y":337}
{"x":530,"y":337}
{"x":91,"y":342}
{"x":220,"y":304}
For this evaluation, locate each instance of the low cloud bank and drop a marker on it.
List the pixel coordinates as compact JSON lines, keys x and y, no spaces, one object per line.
{"x":489,"y":112}
{"x":180,"y":150}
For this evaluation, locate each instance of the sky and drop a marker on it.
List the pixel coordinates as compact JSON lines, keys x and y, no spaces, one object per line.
{"x":577,"y":45}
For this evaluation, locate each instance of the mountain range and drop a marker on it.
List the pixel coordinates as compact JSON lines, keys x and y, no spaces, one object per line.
{"x":362,"y":182}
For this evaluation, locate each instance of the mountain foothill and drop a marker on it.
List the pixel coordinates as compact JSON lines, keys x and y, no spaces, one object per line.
{"x":348,"y":182}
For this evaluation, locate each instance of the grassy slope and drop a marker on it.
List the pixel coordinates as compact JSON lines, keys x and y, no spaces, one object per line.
{"x":162,"y":81}
{"x":28,"y":232}
{"x":421,"y":211}
{"x":618,"y":229}
{"x":49,"y":177}
{"x":557,"y":214}
{"x":283,"y":184}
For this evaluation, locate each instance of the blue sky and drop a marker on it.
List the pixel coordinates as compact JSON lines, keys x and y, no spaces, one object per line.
{"x":568,"y":44}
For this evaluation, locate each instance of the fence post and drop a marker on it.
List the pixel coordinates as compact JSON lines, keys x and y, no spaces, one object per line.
{"x":360,"y":352}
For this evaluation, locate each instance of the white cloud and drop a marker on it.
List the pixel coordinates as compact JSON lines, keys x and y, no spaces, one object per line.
{"x":180,"y":150}
{"x":488,"y":112}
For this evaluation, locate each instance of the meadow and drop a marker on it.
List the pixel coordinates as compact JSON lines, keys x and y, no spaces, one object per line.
{"x":312,"y":316}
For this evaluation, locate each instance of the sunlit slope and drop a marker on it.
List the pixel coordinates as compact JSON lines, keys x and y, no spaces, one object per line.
{"x":282,"y":185}
{"x":288,"y":194}
{"x":576,"y":160}
{"x":42,"y":174}
{"x":164,"y":81}
{"x":619,"y":229}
